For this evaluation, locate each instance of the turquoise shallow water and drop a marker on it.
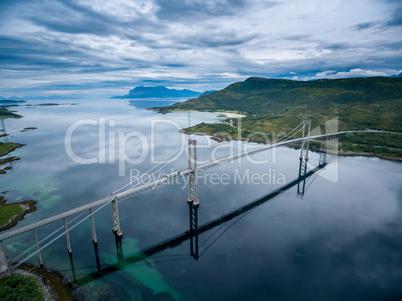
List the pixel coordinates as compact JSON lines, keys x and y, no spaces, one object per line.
{"x":340,"y":240}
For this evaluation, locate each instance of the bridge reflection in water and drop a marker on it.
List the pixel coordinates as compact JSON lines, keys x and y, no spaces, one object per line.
{"x":191,"y":234}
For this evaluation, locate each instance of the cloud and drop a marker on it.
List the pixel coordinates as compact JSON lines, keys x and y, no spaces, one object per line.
{"x":396,"y":18}
{"x":84,"y":44}
{"x":365,"y":25}
{"x":352,"y":73}
{"x":179,"y":9}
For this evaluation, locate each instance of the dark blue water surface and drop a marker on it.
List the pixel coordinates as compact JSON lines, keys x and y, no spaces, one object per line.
{"x":341,"y":240}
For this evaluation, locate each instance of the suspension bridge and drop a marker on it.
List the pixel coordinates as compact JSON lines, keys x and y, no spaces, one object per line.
{"x":129,"y":190}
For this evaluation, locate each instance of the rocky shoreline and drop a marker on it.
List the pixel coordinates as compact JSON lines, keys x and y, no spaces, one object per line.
{"x":27,"y":206}
{"x":44,"y":288}
{"x":17,"y":145}
{"x":52,"y":284}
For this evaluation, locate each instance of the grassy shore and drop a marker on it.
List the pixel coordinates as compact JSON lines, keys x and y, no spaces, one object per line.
{"x":54,"y":282}
{"x":32,"y":283}
{"x":10,"y":214}
{"x":375,"y":144}
{"x":4,"y":113}
{"x":8,"y":147}
{"x":7,"y":212}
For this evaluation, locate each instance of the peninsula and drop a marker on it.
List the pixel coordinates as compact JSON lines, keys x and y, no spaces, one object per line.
{"x":273,"y":106}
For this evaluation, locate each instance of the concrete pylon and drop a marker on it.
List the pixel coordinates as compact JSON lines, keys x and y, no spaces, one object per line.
{"x":194,"y":230}
{"x":116,"y":217}
{"x":192,"y":164}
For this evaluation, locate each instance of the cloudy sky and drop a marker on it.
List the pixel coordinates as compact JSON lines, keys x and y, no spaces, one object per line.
{"x":104,"y":47}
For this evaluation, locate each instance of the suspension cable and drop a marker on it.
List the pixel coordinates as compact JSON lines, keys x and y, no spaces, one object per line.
{"x":61,"y":234}
{"x":137,"y":178}
{"x":45,"y":238}
{"x":283,"y":137}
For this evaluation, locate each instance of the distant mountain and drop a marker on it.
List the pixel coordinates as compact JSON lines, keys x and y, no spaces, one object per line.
{"x":208,"y":92}
{"x":39,"y":97}
{"x":158,"y":92}
{"x":52,"y":97}
{"x":10,"y":98}
{"x":396,"y":75}
{"x":9,"y":101}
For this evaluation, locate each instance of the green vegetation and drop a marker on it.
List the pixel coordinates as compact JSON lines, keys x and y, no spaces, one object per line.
{"x":10,"y":214}
{"x":386,"y":145}
{"x":19,"y":288}
{"x":7,"y":147}
{"x":61,"y":291}
{"x":275,"y":106}
{"x":5,"y":113}
{"x":8,"y":211}
{"x":224,"y":131}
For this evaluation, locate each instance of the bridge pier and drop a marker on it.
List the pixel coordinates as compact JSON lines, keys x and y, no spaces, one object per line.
{"x":67,"y":237}
{"x":95,"y":241}
{"x":116,"y":218}
{"x":192,"y":164}
{"x":119,"y":248}
{"x":38,"y":248}
{"x":72,"y":266}
{"x":98,"y":266}
{"x":193,"y":210}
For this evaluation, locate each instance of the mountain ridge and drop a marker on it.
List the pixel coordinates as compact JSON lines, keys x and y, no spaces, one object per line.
{"x":275,"y":106}
{"x":268,"y":98}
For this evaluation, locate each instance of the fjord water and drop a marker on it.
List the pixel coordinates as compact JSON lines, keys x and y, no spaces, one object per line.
{"x":340,"y":240}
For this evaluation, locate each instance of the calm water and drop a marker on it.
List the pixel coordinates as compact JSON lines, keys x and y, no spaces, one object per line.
{"x":341,"y":240}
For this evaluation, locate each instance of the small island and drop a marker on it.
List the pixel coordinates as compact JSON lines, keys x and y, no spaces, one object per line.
{"x":5,"y":149}
{"x":11,"y":213}
{"x":4,"y":113}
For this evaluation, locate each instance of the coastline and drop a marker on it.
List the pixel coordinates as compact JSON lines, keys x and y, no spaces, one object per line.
{"x":229,"y":114}
{"x":219,"y":138}
{"x":27,"y":207}
{"x":51,"y":283}
{"x":16,"y":145}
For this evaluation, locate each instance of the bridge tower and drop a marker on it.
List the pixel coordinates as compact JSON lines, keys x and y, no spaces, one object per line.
{"x":116,"y":218}
{"x":192,"y":164}
{"x":193,"y":202}
{"x":304,"y":155}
